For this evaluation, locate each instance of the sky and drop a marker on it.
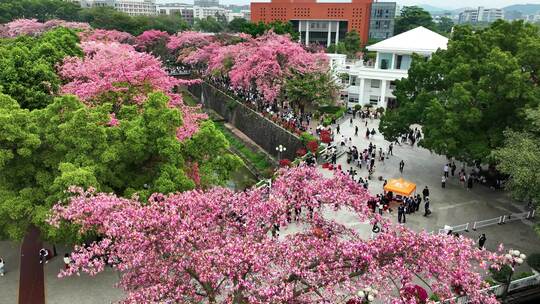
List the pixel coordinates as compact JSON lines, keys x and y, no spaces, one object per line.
{"x":446,"y":4}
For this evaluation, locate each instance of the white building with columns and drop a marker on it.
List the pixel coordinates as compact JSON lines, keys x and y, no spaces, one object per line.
{"x":373,"y":82}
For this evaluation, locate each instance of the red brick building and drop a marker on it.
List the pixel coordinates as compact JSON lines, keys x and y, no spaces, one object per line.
{"x":324,"y":23}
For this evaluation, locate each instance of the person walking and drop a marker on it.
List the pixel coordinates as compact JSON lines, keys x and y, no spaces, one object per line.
{"x":425,"y":192}
{"x":43,"y":254}
{"x":67,"y":261}
{"x":481,"y":241}
{"x":426,"y":207}
{"x":2,"y":267}
{"x":443,"y":181}
{"x":337,"y":129}
{"x":453,"y":168}
{"x":356,"y":131}
{"x":400,"y":213}
{"x":446,"y":169}
{"x":350,"y":121}
{"x":390,"y":149}
{"x":401,"y":166}
{"x":469,"y":182}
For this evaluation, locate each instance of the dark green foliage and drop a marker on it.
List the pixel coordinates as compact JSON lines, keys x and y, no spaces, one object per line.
{"x":502,"y":274}
{"x":241,"y":25}
{"x":42,"y":10}
{"x":466,"y":96}
{"x":209,"y":24}
{"x":28,"y":66}
{"x":533,"y":260}
{"x":412,"y":17}
{"x":351,"y":45}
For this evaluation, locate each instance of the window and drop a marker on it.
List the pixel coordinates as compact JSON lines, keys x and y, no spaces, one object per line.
{"x":354,"y":80}
{"x":399,"y":59}
{"x":384,"y":64}
{"x":375,"y":83}
{"x":374,"y":100}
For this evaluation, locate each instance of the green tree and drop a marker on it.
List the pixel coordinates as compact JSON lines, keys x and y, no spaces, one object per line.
{"x":318,"y":89}
{"x":28,"y":66}
{"x":39,"y":9}
{"x":351,"y":45}
{"x":208,"y":24}
{"x":466,"y":96}
{"x":237,"y":25}
{"x":445,"y":25}
{"x":519,"y":158}
{"x":42,"y":152}
{"x":412,"y":17}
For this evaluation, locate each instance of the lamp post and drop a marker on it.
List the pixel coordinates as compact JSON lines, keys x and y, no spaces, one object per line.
{"x":280,"y":149}
{"x":512,"y":258}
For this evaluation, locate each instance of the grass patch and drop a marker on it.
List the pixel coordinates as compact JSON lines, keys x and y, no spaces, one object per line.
{"x":188,"y":99}
{"x":257,"y":159}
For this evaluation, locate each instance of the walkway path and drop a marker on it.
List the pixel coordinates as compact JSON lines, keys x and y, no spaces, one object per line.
{"x":32,"y":283}
{"x":453,"y":205}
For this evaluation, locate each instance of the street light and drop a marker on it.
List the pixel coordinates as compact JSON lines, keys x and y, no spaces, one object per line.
{"x":280,"y":149}
{"x":512,"y":258}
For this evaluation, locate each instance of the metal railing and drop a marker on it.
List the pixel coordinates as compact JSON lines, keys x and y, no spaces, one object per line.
{"x":498,"y":290}
{"x":493,"y":221}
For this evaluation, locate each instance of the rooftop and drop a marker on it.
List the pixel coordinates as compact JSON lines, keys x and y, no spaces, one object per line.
{"x":419,"y":40}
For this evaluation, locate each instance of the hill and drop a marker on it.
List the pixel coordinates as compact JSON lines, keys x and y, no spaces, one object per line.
{"x":526,"y":9}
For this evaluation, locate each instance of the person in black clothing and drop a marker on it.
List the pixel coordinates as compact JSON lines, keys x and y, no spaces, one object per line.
{"x":425,"y":192}
{"x":481,"y":241}
{"x":356,"y":131}
{"x":401,"y":166}
{"x":337,"y":129}
{"x":390,"y":148}
{"x":453,"y":168}
{"x":426,"y":207}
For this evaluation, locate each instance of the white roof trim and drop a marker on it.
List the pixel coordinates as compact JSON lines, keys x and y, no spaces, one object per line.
{"x":418,"y":40}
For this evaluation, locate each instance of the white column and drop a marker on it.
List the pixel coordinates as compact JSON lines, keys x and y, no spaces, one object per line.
{"x":394,"y":64}
{"x":300,"y":31}
{"x":307,"y":32}
{"x":377,"y":61}
{"x":361,"y":91}
{"x":337,"y":32}
{"x":329,"y":39}
{"x":382,"y":102}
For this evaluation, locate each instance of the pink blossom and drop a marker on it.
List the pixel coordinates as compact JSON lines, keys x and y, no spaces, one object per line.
{"x":147,"y":38}
{"x":33,"y":27}
{"x":217,"y":245}
{"x":188,"y":39}
{"x":113,"y":121}
{"x":106,"y":36}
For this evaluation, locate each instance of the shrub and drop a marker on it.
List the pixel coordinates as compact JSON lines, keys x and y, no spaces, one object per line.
{"x":380,"y":110}
{"x":502,"y":274}
{"x":358,"y":107}
{"x":326,"y":137}
{"x":313,"y":146}
{"x":285,"y":162}
{"x":307,"y":137}
{"x":301,"y":152}
{"x":434,"y":297}
{"x":533,"y":261}
{"x":522,"y":275}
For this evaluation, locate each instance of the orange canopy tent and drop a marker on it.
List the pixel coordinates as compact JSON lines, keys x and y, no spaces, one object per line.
{"x":400,"y":187}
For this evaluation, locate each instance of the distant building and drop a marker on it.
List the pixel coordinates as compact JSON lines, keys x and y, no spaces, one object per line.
{"x":202,"y":12}
{"x":373,"y":82}
{"x":182,"y":9}
{"x":381,"y":23}
{"x":206,"y":3}
{"x":481,"y":14}
{"x":130,"y":7}
{"x":317,"y":22}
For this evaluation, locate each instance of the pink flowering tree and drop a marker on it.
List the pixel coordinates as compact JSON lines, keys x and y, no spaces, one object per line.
{"x":33,"y":27}
{"x":155,"y":43}
{"x":263,"y":64}
{"x":115,"y":72}
{"x":220,"y":247}
{"x":106,"y":36}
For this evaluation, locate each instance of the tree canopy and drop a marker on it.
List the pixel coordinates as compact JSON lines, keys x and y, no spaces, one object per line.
{"x":28,"y":66}
{"x":412,"y":17}
{"x":466,"y":96}
{"x":217,"y":246}
{"x":351,"y":45}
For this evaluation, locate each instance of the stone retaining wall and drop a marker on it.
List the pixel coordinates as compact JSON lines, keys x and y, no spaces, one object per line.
{"x":261,"y":130}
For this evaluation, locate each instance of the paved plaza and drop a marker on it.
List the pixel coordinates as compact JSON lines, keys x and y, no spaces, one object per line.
{"x":453,"y":205}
